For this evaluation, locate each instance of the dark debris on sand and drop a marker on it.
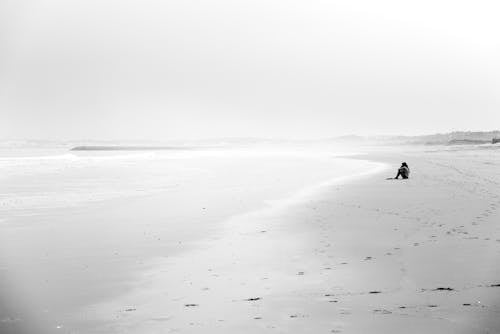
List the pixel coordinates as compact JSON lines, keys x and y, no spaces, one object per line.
{"x":443,"y":289}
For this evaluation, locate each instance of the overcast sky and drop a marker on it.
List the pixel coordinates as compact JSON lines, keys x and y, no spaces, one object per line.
{"x":160,"y":69}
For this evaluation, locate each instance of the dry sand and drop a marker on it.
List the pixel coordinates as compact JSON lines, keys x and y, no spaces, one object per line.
{"x":363,"y":256}
{"x":367,"y":256}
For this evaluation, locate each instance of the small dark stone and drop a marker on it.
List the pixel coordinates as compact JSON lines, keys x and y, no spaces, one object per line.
{"x":443,"y":289}
{"x":466,"y":304}
{"x":190,"y":305}
{"x":373,"y":292}
{"x":495,"y":285}
{"x":253,"y":299}
{"x":432,"y":305}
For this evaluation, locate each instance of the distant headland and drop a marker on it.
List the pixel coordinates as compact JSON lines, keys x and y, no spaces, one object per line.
{"x":130,"y":148}
{"x":450,"y":138}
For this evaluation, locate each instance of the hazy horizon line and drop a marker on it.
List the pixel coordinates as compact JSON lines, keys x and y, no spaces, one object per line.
{"x":251,"y":137}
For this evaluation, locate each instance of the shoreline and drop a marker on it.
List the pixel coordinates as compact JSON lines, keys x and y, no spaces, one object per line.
{"x":249,"y":223}
{"x":371,"y":255}
{"x":126,"y":234}
{"x":356,"y":255}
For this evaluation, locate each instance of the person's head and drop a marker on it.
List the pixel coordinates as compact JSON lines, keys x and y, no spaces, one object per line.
{"x":404,"y":164}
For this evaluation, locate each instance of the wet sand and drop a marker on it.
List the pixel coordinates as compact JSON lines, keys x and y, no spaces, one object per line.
{"x":365,"y":256}
{"x":79,"y":230}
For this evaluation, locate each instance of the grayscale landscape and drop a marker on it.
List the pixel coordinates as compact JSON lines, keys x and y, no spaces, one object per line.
{"x":249,"y":167}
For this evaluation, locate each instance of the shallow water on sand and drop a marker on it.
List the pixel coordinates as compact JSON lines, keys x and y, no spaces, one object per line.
{"x":78,"y":228}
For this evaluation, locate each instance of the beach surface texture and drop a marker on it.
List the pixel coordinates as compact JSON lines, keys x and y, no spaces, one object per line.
{"x":363,"y":254}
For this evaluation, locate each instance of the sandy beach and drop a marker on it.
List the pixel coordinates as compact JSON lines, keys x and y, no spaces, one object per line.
{"x":361,"y":254}
{"x":228,"y":167}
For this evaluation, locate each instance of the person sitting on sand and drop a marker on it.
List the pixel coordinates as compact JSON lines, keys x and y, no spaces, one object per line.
{"x":404,"y":171}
